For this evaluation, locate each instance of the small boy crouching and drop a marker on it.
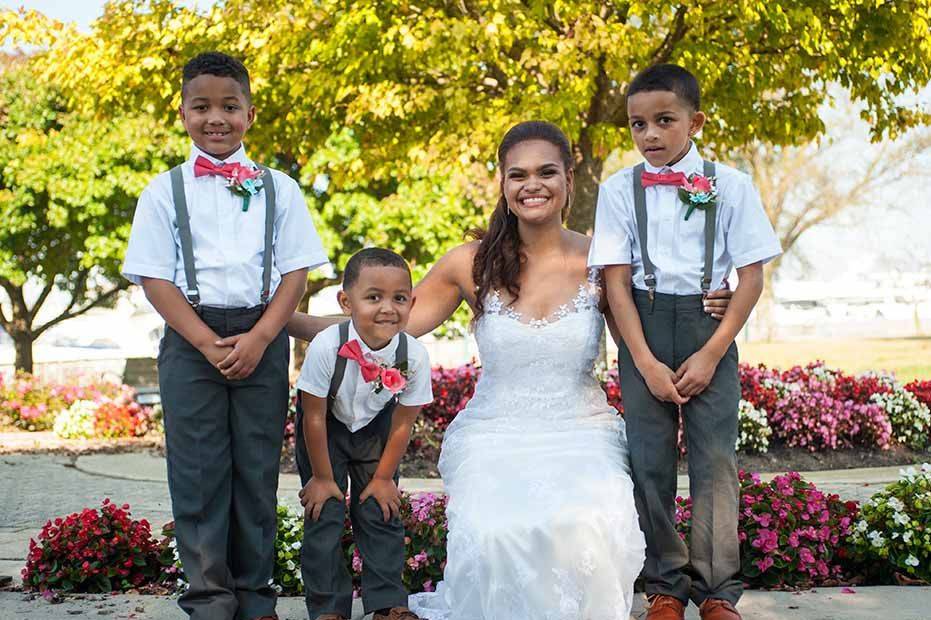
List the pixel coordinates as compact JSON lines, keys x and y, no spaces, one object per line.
{"x":362,"y":384}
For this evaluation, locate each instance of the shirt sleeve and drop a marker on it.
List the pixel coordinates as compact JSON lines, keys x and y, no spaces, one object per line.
{"x":419,"y":390}
{"x":749,"y":236}
{"x":297,"y":244}
{"x":319,"y":364}
{"x":611,"y":240}
{"x":151,"y":252}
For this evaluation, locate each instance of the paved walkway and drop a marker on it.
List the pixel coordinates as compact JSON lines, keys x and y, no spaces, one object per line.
{"x":36,"y":487}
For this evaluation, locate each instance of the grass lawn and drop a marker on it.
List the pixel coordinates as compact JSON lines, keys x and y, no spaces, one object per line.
{"x":908,"y":358}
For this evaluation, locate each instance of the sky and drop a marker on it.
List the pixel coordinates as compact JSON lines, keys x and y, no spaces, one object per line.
{"x":889,"y":236}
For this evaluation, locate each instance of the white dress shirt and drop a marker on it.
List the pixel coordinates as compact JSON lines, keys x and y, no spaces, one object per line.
{"x":743,"y":233}
{"x":356,"y":404}
{"x":229,"y":244}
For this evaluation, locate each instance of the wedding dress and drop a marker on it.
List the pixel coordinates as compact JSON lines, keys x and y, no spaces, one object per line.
{"x":542,"y":523}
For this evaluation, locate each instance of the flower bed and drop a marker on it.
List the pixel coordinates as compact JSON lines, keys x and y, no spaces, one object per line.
{"x":74,"y":411}
{"x":93,"y":551}
{"x":424,"y":518}
{"x":791,"y":534}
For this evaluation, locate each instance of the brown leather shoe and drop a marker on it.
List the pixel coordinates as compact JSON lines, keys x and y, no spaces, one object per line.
{"x":718,"y":609}
{"x":397,"y":613}
{"x":664,"y":607}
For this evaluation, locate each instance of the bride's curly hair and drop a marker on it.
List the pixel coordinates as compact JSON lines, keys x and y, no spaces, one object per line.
{"x":499,"y":257}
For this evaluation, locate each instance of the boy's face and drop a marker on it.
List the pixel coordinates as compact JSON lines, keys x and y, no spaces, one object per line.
{"x":662,"y":126}
{"x":216,"y":114}
{"x":379,"y":302}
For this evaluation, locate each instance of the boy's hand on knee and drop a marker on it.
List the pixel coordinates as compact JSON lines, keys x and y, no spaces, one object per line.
{"x":247,"y":352}
{"x":661,"y":381}
{"x":316,"y":493}
{"x":694,"y":375}
{"x":387,"y":495}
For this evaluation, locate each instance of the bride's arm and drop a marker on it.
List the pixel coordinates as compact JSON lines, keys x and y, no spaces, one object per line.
{"x":441,"y":291}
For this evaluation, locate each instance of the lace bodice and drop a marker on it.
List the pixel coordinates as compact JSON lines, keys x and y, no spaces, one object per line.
{"x":542,"y":366}
{"x":588,"y":297}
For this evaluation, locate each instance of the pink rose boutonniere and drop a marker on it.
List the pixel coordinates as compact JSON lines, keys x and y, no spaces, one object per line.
{"x":699,"y":192}
{"x":246,"y":182}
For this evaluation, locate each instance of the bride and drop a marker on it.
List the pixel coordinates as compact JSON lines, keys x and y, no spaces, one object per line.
{"x":542,"y":523}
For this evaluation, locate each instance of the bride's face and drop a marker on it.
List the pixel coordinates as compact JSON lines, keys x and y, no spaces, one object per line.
{"x":535,"y":181}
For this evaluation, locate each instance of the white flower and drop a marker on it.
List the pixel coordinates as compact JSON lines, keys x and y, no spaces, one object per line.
{"x":896,"y":504}
{"x":907,"y":537}
{"x":908,"y":474}
{"x":911,"y":560}
{"x":290,"y":565}
{"x":876,"y":539}
{"x":926,"y":468}
{"x":901,"y":518}
{"x":296,"y":545}
{"x":862,"y":525}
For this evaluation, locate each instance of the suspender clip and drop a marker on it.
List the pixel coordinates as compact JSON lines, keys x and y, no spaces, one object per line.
{"x":705,"y":286}
{"x":650,"y":280}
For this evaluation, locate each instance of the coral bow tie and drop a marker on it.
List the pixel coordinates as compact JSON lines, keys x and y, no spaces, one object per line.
{"x":203,"y":167}
{"x":353,"y":351}
{"x":677,"y":179}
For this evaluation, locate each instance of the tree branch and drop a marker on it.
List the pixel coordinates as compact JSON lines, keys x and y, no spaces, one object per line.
{"x":41,"y":300}
{"x":664,"y":52}
{"x":64,"y":316}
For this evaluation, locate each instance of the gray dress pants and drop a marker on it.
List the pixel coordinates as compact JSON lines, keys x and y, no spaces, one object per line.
{"x":327,"y":581}
{"x":223,"y":441}
{"x":675,"y":327}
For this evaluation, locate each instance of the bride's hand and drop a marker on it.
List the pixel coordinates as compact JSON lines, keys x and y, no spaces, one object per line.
{"x":316,"y":493}
{"x":387,"y":495}
{"x":662,"y":383}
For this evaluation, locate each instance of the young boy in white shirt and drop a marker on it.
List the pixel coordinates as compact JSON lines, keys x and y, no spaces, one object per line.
{"x":222,"y":248}
{"x":362,"y":385}
{"x":668,"y":231}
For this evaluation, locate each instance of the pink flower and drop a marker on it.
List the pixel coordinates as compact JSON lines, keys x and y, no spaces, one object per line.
{"x":244,"y":173}
{"x":699,"y":184}
{"x":393,"y":380}
{"x":764,"y":564}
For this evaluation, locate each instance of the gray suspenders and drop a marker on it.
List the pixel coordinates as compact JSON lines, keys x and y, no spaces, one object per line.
{"x":640,"y":208}
{"x":400,"y":357}
{"x":187,"y":245}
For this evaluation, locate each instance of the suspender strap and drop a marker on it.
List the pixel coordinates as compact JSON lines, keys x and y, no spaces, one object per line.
{"x":711,"y":214}
{"x":400,"y":355}
{"x":187,"y":244}
{"x":269,"y":186}
{"x":640,"y":209}
{"x":184,"y":231}
{"x":340,"y":370}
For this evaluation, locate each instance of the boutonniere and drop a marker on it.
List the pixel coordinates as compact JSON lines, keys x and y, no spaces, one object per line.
{"x":392,"y":378}
{"x":375,"y":371}
{"x":246,"y":182}
{"x":698,"y":192}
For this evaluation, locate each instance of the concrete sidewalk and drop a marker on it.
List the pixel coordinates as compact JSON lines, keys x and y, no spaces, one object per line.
{"x":887,"y":603}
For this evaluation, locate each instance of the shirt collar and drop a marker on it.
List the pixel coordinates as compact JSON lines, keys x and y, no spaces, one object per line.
{"x":385,"y":354}
{"x":691,"y":162}
{"x":238,"y":157}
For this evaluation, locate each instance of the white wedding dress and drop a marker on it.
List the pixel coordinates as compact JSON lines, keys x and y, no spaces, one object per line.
{"x":542,"y":524}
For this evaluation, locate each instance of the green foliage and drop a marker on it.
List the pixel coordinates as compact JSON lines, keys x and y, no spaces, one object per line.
{"x":430,"y":87}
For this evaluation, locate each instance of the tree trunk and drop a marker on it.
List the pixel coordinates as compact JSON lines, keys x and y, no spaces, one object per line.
{"x":587,"y":176}
{"x":23,"y":340}
{"x":300,"y":346}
